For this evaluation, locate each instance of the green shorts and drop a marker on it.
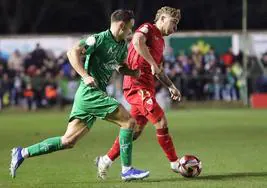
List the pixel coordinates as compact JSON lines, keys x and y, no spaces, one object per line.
{"x":91,"y":103}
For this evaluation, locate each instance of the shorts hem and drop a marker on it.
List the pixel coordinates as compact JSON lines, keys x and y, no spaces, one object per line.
{"x":159,"y":117}
{"x":110,"y":111}
{"x":88,"y":124}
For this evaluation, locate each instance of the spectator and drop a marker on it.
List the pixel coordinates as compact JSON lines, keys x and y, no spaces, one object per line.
{"x":229,"y":92}
{"x":237,"y":71}
{"x":228,"y":58}
{"x":195,"y":86}
{"x":50,"y":90}
{"x":4,"y":56}
{"x":264,"y":60}
{"x":3,"y":67}
{"x":2,"y":70}
{"x":16,"y":91}
{"x":37,"y":82}
{"x":168,"y":55}
{"x":38,"y":56}
{"x":28,"y":94}
{"x":64,"y":64}
{"x":197,"y":58}
{"x":15,"y":62}
{"x":210,"y":61}
{"x":6,"y":86}
{"x":185,"y":63}
{"x":261,"y":84}
{"x":218,"y":84}
{"x":209,"y":90}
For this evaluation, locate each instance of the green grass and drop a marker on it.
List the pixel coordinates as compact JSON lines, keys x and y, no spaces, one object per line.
{"x":230,"y":143}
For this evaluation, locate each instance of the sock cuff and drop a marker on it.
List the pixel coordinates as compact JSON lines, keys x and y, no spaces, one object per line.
{"x":57,"y":140}
{"x":162,"y":131}
{"x":126,"y":130}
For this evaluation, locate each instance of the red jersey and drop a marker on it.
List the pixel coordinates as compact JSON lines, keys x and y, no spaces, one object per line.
{"x":155,"y":43}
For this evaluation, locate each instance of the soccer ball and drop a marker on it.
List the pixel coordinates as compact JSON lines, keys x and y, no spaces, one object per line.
{"x":190,"y":166}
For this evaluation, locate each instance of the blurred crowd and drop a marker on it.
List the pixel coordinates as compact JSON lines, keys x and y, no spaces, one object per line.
{"x":39,"y":79}
{"x":213,"y":76}
{"x":36,"y":80}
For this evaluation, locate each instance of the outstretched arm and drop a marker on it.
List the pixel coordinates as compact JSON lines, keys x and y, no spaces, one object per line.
{"x":123,"y":69}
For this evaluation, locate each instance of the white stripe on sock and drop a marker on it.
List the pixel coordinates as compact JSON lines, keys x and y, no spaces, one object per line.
{"x":25,"y":153}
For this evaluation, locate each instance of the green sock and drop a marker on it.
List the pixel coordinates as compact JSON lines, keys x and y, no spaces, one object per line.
{"x":126,"y":145}
{"x":47,"y":146}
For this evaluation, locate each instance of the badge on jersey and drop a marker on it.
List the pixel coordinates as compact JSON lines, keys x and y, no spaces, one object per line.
{"x":149,"y":101}
{"x":90,"y":41}
{"x":144,"y":29}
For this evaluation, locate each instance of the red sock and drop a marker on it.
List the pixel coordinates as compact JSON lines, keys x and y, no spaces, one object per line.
{"x":114,"y":151}
{"x":165,"y":141}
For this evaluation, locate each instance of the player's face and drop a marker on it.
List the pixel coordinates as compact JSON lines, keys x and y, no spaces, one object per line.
{"x":169,"y":25}
{"x":126,"y":29}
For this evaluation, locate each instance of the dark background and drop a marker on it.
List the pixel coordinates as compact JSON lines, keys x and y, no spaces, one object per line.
{"x":65,"y":16}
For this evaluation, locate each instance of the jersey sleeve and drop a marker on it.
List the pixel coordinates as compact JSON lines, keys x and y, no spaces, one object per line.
{"x":90,"y":43}
{"x":145,"y":29}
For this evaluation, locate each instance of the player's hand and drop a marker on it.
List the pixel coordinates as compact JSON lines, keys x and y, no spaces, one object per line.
{"x":155,"y":69}
{"x":137,"y":73}
{"x":175,"y":93}
{"x":89,"y":80}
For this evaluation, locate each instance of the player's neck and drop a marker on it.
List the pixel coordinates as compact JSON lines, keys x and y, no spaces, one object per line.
{"x":158,"y":25}
{"x":115,"y":32}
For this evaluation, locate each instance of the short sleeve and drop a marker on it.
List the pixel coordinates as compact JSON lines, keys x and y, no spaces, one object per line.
{"x":145,"y":29}
{"x":90,"y":43}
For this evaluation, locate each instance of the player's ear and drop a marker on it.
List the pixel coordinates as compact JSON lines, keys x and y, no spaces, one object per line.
{"x":162,"y":18}
{"x":122,"y":25}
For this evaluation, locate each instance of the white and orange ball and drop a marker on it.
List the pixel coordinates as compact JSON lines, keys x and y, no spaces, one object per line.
{"x":190,"y":166}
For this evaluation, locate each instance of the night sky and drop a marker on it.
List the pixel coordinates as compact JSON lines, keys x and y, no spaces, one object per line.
{"x":79,"y":16}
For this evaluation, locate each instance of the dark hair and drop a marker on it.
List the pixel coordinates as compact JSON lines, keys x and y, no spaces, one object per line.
{"x":122,"y":15}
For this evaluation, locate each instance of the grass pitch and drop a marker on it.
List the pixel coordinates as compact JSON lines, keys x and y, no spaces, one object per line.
{"x":232,"y":145}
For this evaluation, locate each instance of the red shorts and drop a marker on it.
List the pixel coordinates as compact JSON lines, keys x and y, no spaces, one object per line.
{"x":144,"y":106}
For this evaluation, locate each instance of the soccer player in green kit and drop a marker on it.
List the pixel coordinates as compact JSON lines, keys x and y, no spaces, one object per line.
{"x":104,"y":52}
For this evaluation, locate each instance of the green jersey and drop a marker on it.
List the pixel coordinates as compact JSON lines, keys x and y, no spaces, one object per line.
{"x":103,"y":54}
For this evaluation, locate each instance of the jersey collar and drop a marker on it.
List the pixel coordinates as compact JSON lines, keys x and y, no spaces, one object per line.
{"x":157,"y":30}
{"x":118,"y":42}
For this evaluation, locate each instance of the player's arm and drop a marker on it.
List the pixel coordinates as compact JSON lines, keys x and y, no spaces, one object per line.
{"x":164,"y":79}
{"x":139,"y":43}
{"x":124,"y":69}
{"x":74,"y":56}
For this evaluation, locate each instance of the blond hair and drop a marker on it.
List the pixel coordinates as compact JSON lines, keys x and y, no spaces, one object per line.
{"x":173,"y":12}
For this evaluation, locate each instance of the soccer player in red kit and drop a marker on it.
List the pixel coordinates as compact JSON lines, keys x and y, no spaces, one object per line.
{"x":146,"y":53}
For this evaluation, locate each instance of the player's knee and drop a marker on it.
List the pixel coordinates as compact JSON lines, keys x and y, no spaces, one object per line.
{"x":137,"y":131}
{"x":162,"y":124}
{"x":68,"y":142}
{"x":130,"y":123}
{"x":137,"y":134}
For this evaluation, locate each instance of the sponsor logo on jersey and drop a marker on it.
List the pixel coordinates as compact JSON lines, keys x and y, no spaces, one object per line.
{"x":111,"y":50}
{"x":111,"y":65}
